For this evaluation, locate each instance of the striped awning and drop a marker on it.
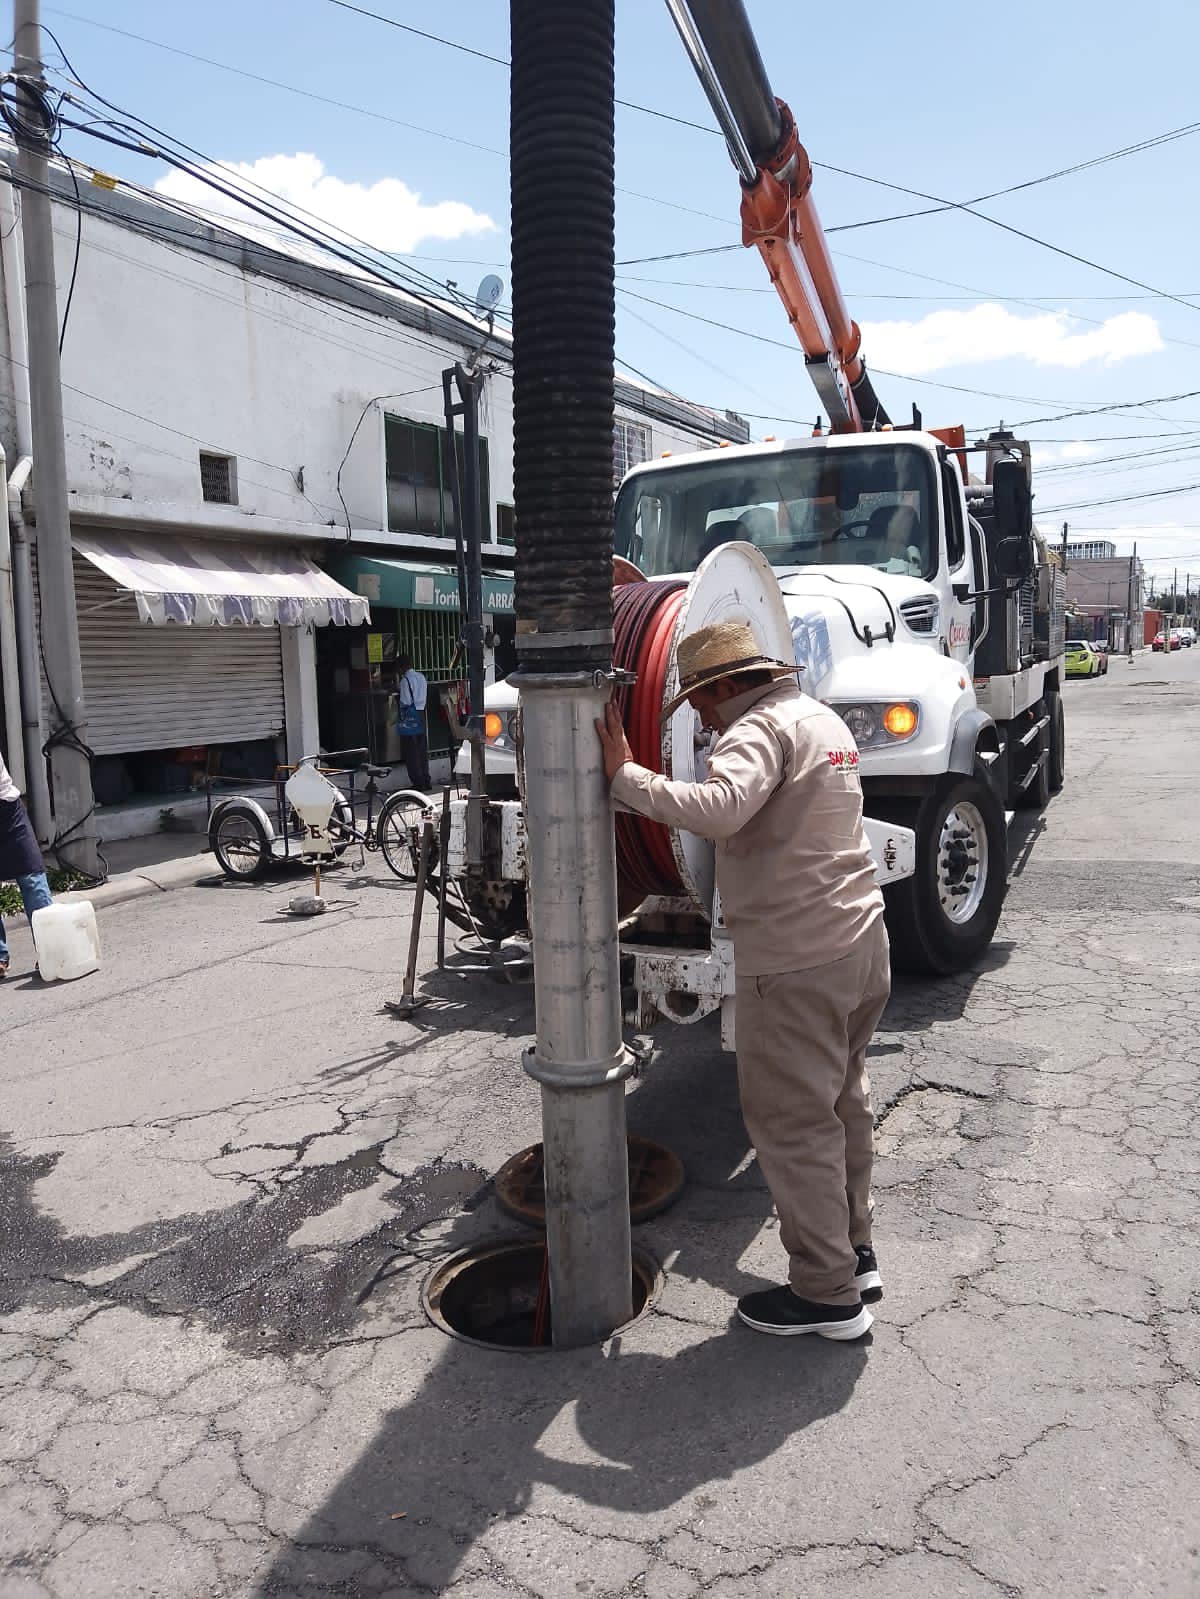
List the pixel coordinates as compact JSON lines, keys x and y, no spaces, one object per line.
{"x":204,"y":583}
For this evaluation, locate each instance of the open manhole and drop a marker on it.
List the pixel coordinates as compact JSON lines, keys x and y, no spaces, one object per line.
{"x":656,"y":1179}
{"x":498,"y":1295}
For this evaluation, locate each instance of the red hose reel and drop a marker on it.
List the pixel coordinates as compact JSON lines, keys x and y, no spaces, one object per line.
{"x":644,"y":619}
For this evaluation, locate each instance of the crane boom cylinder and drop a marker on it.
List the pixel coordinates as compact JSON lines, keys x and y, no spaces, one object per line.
{"x":728,"y":39}
{"x":779,"y":217}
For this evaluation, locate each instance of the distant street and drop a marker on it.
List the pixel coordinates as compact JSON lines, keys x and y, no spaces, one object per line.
{"x":225,"y":1173}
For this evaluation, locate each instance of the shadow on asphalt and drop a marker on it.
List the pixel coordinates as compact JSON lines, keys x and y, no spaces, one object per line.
{"x":471,"y":1448}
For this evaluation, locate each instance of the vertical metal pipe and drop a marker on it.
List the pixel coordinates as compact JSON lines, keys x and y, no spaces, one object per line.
{"x":469,"y":386}
{"x":70,"y":770}
{"x":563,"y":319}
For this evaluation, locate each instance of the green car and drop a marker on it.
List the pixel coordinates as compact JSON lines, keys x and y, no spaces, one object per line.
{"x":1082,"y":660}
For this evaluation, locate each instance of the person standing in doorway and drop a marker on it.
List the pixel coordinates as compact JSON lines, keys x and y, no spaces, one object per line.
{"x":783,"y":802}
{"x":412,"y":693}
{"x":20,"y":858}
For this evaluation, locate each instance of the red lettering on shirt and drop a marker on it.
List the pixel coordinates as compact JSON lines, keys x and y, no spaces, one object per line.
{"x":840,"y":758}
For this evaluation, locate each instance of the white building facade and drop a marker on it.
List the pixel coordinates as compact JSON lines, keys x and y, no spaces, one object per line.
{"x":233,"y":409}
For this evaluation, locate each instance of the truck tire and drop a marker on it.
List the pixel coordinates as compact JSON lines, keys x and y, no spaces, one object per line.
{"x":942,"y":918}
{"x":1058,"y":740}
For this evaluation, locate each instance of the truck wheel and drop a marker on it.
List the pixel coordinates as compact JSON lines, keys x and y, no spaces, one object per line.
{"x":1058,"y":740}
{"x":943,"y":917}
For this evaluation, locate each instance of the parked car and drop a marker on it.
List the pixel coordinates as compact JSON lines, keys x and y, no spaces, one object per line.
{"x":1187,"y":637}
{"x":1100,"y":651}
{"x":1082,"y":660}
{"x":1159,"y":643}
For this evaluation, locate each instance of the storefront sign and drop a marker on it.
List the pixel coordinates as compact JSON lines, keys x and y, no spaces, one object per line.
{"x":410,"y":586}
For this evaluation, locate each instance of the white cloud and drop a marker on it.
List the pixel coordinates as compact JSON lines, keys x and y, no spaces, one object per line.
{"x":1054,"y":454}
{"x":387,"y":214}
{"x":994,"y":333}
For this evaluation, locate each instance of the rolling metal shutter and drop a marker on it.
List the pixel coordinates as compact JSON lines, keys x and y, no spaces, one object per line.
{"x":150,"y":688}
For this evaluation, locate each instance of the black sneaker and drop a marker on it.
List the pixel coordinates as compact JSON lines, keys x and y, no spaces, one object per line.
{"x":866,"y":1278}
{"x":780,"y":1311}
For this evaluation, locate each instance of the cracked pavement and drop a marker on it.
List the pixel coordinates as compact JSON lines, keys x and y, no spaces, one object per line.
{"x":225,"y":1174}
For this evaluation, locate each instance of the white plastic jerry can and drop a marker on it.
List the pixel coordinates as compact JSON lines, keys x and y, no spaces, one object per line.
{"x":67,"y":940}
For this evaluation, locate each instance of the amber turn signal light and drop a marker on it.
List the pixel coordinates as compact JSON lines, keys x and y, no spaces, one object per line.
{"x":493,"y":725}
{"x":900,"y":720}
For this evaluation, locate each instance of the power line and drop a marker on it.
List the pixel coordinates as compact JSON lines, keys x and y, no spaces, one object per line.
{"x":782,"y":344}
{"x":1100,"y":410}
{"x":758,"y":288}
{"x":359,"y":110}
{"x":940,"y":203}
{"x":1013,"y":188}
{"x":1119,"y":499}
{"x":502,"y":61}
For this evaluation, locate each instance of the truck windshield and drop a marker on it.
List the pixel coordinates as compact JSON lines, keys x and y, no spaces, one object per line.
{"x":869,"y":506}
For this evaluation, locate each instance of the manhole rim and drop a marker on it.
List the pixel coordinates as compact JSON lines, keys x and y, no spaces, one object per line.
{"x":535,"y":1216}
{"x":446,"y":1271}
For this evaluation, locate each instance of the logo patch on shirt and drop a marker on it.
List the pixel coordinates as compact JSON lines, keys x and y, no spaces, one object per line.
{"x":843,"y":758}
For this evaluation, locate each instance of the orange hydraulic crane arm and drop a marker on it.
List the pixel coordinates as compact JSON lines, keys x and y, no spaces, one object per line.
{"x":778,"y":214}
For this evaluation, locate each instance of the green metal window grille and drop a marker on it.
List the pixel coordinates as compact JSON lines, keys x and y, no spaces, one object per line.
{"x":429,"y":639}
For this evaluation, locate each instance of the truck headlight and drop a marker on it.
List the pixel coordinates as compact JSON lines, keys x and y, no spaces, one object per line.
{"x":876,"y":723}
{"x":500,"y":728}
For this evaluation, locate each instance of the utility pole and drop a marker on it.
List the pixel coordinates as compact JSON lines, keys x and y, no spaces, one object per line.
{"x":1129,"y":611}
{"x":74,"y":842}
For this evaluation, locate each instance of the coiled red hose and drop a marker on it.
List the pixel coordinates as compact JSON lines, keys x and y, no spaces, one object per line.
{"x":644,"y":616}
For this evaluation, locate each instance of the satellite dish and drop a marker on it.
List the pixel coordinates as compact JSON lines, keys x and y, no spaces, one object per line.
{"x":487,"y":296}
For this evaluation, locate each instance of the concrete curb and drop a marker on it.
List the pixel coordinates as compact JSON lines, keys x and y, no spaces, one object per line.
{"x":147,"y":880}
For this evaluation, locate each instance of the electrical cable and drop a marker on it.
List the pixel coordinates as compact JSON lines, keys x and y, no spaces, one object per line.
{"x":793,"y":348}
{"x":362,"y":415}
{"x":1120,"y":499}
{"x":365,"y":111}
{"x":501,"y":61}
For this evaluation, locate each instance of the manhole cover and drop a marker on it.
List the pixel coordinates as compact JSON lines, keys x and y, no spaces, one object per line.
{"x":497,"y":1296}
{"x":656,"y":1179}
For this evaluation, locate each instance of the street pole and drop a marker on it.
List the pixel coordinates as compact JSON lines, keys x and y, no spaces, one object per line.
{"x":1129,"y":612}
{"x":74,"y":840}
{"x":467,"y":489}
{"x":563,"y":273}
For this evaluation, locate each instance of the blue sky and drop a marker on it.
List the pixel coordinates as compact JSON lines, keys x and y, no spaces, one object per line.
{"x":954,"y":101}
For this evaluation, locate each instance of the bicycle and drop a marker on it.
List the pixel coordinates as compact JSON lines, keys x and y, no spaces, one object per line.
{"x":247,"y":842}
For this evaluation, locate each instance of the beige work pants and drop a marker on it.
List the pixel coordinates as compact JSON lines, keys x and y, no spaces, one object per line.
{"x":801,"y":1052}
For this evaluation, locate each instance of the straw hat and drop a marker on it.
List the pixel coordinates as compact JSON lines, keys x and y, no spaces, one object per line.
{"x":724,"y":649}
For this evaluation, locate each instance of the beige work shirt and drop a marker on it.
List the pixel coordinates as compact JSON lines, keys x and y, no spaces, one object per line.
{"x":783,"y":802}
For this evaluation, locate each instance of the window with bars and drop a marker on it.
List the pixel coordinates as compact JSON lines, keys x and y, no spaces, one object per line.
{"x":422,"y":494}
{"x":631,"y":446}
{"x":218,"y":478}
{"x":429,"y":639}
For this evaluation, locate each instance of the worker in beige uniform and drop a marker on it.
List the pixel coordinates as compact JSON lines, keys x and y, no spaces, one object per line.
{"x":783,"y":802}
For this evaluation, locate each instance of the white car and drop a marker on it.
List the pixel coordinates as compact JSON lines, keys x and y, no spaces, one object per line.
{"x":1187,"y":636}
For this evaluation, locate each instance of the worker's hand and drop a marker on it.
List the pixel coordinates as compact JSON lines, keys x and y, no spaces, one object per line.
{"x":613,"y":741}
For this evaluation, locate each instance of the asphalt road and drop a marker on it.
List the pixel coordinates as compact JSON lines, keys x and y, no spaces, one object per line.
{"x":226,"y":1172}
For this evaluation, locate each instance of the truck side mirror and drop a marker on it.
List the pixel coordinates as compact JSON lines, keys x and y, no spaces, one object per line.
{"x":1012,"y":521}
